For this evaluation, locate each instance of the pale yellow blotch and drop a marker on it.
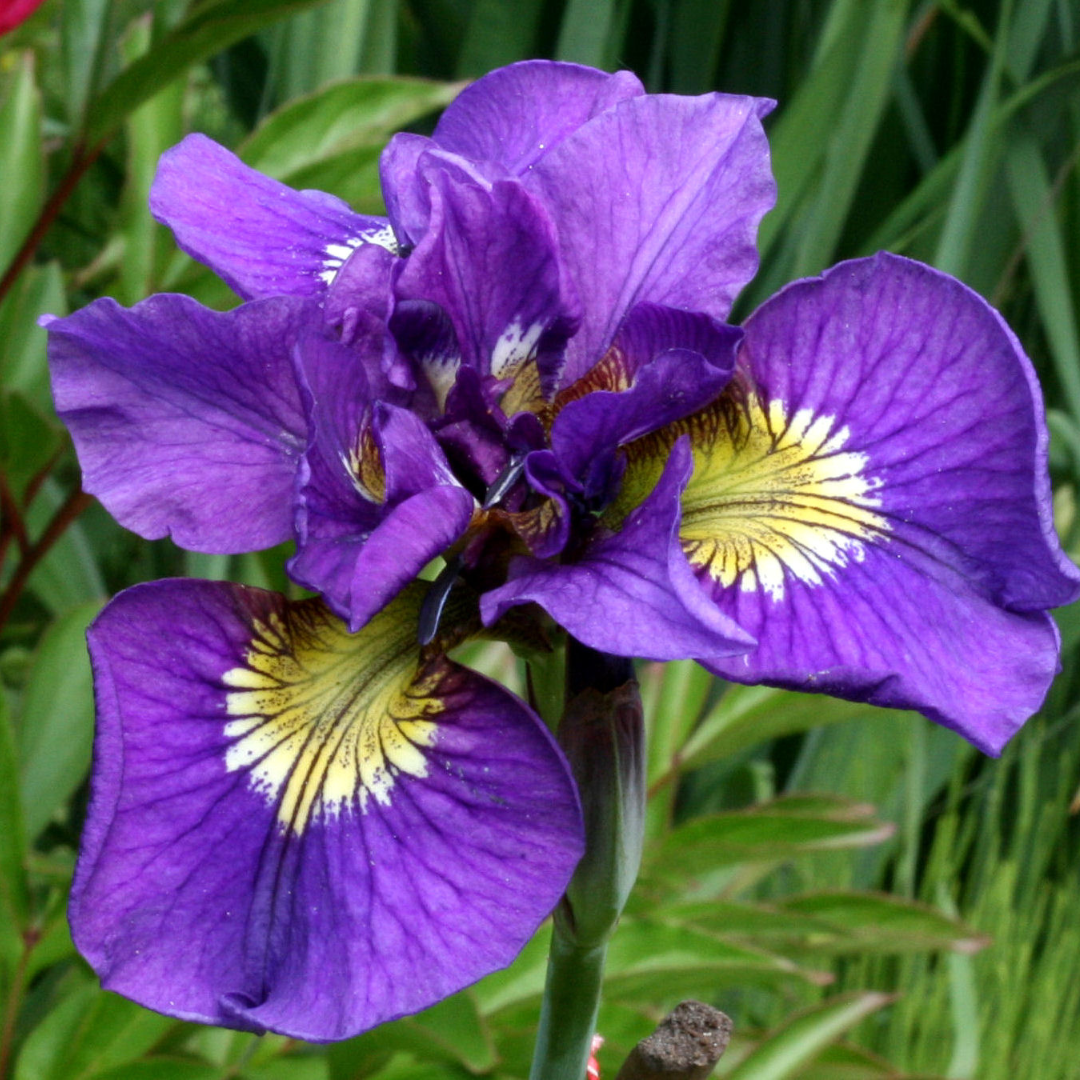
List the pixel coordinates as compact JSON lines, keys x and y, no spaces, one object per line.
{"x":772,"y":496}
{"x":325,"y":721}
{"x":441,"y":373}
{"x":516,"y":346}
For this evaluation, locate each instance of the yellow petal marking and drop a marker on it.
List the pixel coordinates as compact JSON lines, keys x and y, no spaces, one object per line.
{"x":773,"y":495}
{"x":365,"y":467}
{"x":324,"y":720}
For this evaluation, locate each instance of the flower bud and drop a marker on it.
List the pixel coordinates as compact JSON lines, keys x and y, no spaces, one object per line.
{"x":603,"y":736}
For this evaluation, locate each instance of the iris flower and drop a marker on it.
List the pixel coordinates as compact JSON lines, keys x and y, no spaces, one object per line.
{"x":305,"y":818}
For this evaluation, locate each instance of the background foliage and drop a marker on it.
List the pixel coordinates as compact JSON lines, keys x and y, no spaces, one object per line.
{"x":866,"y":895}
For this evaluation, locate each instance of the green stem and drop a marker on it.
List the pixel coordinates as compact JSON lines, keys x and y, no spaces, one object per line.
{"x":602,"y":734}
{"x":568,"y":1013}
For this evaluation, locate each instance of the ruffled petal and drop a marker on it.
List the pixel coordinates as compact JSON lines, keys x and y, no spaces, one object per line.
{"x":376,"y":498}
{"x":187,"y":421}
{"x":489,"y":261}
{"x":657,"y":199}
{"x":260,"y":236}
{"x":663,"y":365}
{"x":517,"y":114}
{"x":406,"y":167}
{"x":297,"y":829}
{"x":630,"y":593}
{"x":871,"y":500}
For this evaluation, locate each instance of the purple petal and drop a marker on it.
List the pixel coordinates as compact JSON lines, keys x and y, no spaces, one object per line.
{"x":406,"y":167}
{"x":876,"y":510}
{"x":260,"y":236}
{"x":489,"y":260}
{"x":666,"y":365}
{"x":657,"y":199}
{"x":299,"y":830}
{"x":545,"y":528}
{"x":360,"y":298}
{"x":515,"y":115}
{"x":376,"y":499}
{"x":187,"y":421}
{"x":472,"y":433}
{"x":631,"y":592}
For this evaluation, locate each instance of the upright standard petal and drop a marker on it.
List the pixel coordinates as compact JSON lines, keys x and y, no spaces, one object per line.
{"x":297,"y":829}
{"x":489,"y":261}
{"x":496,"y":128}
{"x":629,"y":592}
{"x":187,"y":422}
{"x":870,"y":500}
{"x":517,"y":114}
{"x":657,"y":199}
{"x":260,"y":236}
{"x":376,"y":499}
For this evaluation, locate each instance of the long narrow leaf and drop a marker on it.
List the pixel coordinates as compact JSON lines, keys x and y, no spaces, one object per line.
{"x":1033,"y":199}
{"x":209,"y":29}
{"x":796,"y":1045}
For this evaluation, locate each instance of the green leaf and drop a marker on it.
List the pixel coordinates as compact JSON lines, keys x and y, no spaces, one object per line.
{"x":41,"y":1055}
{"x":103,"y":1032}
{"x":151,"y":129}
{"x":348,"y":115}
{"x":68,"y":575}
{"x":293,"y":1067}
{"x":39,"y":290}
{"x":852,"y":132}
{"x":843,"y":1062}
{"x":315,"y":47}
{"x":84,"y":45}
{"x":649,"y":961}
{"x":802,"y":1039}
{"x":927,"y":202}
{"x":878,"y":922}
{"x":782,"y":829}
{"x":1026,"y":33}
{"x":1034,"y":201}
{"x":587,"y":30}
{"x":696,"y":39}
{"x":56,"y":731}
{"x":747,"y":715}
{"x":22,"y":163}
{"x":522,"y":981}
{"x":352,"y":175}
{"x":55,"y":942}
{"x":980,"y":156}
{"x":451,"y":1031}
{"x":14,"y":891}
{"x":761,"y":923}
{"x":805,"y":124}
{"x":673,"y":695}
{"x":28,"y":441}
{"x":209,"y":28}
{"x":168,"y":1068}
{"x":499,"y":32}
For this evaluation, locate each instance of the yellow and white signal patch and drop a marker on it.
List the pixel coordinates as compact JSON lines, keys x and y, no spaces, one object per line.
{"x":772,"y":495}
{"x":323,"y":720}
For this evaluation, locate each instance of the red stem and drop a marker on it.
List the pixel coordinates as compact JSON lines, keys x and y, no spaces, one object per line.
{"x":75,"y":504}
{"x":50,"y":211}
{"x":13,"y":520}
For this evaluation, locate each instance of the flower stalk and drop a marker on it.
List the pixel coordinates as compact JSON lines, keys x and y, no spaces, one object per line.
{"x":602,"y":734}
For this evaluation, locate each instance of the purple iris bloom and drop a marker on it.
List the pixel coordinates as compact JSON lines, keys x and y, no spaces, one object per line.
{"x":306,"y":820}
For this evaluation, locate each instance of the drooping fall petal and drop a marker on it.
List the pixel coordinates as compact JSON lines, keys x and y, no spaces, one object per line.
{"x":297,"y":829}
